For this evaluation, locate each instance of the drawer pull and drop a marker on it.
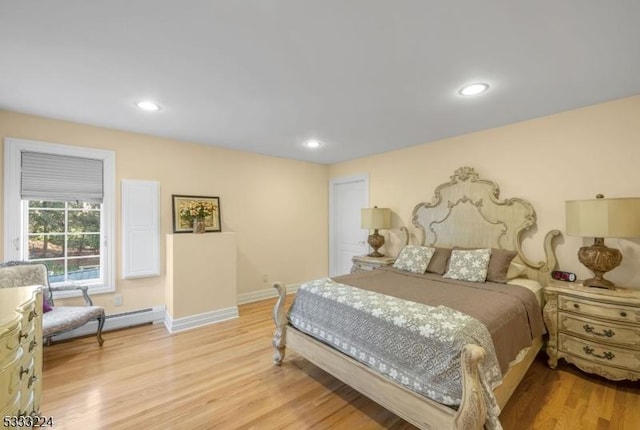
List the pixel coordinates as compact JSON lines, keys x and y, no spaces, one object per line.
{"x":623,"y":314}
{"x":32,"y":345}
{"x":33,"y":379}
{"x":606,"y":333}
{"x":32,"y":315}
{"x":577,"y":306}
{"x":607,"y":355}
{"x":22,"y":336}
{"x":23,"y":371}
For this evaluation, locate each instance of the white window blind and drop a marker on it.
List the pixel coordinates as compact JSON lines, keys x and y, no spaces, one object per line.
{"x":53,"y":177}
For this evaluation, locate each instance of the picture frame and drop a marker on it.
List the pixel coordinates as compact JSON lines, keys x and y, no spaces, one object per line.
{"x":211,"y":222}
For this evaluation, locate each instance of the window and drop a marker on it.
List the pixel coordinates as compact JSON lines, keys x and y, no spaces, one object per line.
{"x":65,"y":236}
{"x":59,"y":211}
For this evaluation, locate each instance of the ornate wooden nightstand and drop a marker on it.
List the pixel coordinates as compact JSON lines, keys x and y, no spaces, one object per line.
{"x":598,"y":330}
{"x":362,"y":263}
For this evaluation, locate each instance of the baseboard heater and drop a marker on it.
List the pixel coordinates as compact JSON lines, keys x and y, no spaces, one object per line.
{"x":118,"y":321}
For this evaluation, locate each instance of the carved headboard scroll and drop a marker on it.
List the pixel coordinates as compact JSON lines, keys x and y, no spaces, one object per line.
{"x":467,"y":211}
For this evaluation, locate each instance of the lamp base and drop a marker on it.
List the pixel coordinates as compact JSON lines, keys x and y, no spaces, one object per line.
{"x":599,"y":259}
{"x":599,"y":283}
{"x":375,"y":241}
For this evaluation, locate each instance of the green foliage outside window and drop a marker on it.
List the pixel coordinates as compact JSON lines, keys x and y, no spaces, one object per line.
{"x":65,"y":236}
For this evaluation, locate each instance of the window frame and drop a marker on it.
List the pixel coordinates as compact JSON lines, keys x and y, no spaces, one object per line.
{"x":15,"y":212}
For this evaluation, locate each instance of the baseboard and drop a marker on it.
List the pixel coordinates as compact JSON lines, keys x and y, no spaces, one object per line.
{"x":199,"y":320}
{"x":267,"y":293}
{"x":158,"y":314}
{"x":117,"y":321}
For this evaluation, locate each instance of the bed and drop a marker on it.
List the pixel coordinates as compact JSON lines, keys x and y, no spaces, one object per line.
{"x":376,"y":349}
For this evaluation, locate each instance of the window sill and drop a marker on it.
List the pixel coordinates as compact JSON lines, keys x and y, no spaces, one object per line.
{"x":93,"y":290}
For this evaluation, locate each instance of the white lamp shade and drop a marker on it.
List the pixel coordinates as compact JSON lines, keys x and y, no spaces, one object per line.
{"x":375,"y":218}
{"x":618,"y":217}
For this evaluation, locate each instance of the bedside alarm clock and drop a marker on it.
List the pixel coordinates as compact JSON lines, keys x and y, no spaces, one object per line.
{"x":563,"y":276}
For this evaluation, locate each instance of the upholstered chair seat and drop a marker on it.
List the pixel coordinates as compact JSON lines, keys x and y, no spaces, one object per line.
{"x":55,"y":319}
{"x":63,"y":318}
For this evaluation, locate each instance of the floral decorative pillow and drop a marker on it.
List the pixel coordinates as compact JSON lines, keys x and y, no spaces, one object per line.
{"x":414,"y":259}
{"x":469,"y":265}
{"x":498,"y":264}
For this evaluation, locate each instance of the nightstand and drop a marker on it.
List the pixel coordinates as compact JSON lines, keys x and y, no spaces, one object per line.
{"x":362,"y":263}
{"x":598,"y":330}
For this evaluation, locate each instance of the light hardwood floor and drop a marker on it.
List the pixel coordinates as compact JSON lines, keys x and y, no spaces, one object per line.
{"x":221,"y":377}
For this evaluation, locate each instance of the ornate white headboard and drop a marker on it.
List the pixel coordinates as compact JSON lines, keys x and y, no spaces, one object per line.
{"x":467,"y":211}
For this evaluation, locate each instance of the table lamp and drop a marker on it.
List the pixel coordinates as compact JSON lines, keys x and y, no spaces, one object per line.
{"x":373,"y":219}
{"x":600,"y":218}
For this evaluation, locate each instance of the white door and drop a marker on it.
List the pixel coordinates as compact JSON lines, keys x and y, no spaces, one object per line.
{"x":346,"y":197}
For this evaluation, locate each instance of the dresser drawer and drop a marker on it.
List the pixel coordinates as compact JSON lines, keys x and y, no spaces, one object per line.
{"x":29,"y":315}
{"x":10,"y":379}
{"x":600,"y":330}
{"x":28,"y":381}
{"x":609,"y":355}
{"x":10,"y":339}
{"x":597,"y":309}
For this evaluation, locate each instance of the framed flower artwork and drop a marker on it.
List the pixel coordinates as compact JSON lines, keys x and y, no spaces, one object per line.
{"x":190,"y":212}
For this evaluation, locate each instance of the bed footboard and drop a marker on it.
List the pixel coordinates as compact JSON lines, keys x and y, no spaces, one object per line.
{"x":472,"y":413}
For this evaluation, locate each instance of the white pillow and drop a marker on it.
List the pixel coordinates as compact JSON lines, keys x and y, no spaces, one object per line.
{"x":515,"y":270}
{"x":468,"y":265}
{"x":414,"y":259}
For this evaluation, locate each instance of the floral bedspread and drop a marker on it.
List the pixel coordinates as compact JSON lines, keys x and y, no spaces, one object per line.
{"x":415,"y":345}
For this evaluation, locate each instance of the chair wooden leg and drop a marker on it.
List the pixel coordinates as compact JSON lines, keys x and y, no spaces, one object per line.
{"x":101,"y":319}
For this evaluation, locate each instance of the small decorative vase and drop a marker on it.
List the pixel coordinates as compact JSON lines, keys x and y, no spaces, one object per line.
{"x":198,"y":225}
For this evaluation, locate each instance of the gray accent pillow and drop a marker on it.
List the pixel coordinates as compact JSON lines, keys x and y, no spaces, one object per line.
{"x":440,"y":260}
{"x":499,"y":265}
{"x":414,"y":259}
{"x":469,"y":265}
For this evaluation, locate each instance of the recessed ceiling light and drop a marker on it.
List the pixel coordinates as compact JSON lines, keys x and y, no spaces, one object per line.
{"x":148,"y":106}
{"x":473,"y":89}
{"x":312,"y":143}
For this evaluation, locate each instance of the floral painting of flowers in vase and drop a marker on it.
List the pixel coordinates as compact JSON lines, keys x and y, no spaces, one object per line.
{"x":196,"y":214}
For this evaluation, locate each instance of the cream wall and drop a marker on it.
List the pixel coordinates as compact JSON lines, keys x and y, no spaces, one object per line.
{"x":200,"y":281}
{"x":571,"y":155}
{"x":277,"y":207}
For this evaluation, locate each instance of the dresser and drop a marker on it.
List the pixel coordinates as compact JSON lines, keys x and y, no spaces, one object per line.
{"x":363,"y":262}
{"x":20,"y":351}
{"x":598,"y":330}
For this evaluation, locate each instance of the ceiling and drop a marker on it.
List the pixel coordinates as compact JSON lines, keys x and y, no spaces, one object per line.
{"x":360,"y":76}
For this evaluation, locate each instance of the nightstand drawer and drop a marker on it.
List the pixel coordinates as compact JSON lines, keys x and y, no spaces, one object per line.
{"x":599,"y":330}
{"x":364,"y":262}
{"x":357,"y":266}
{"x":597,"y":309}
{"x":609,"y":355}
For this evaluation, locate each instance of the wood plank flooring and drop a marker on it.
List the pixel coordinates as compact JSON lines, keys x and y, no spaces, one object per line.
{"x":221,"y":377}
